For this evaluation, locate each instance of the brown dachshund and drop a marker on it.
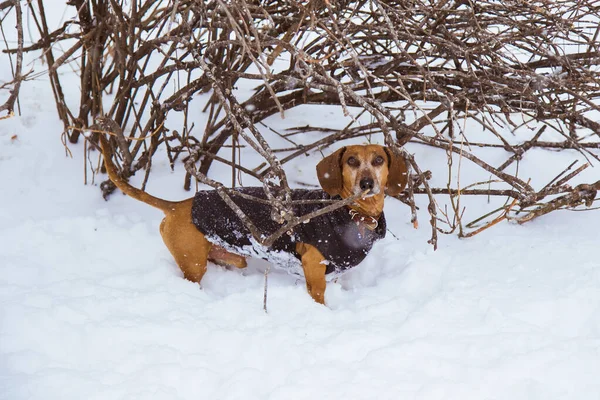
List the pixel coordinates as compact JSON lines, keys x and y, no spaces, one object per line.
{"x":203,"y":228}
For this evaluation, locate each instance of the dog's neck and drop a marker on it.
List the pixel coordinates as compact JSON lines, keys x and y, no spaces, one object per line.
{"x":371,"y":206}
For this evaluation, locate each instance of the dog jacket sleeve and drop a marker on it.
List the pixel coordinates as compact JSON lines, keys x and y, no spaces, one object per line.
{"x":334,"y":234}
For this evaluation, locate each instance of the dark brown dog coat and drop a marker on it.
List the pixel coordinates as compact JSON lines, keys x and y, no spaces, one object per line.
{"x":334,"y":234}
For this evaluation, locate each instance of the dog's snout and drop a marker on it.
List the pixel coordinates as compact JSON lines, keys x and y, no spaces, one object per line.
{"x":366,"y":184}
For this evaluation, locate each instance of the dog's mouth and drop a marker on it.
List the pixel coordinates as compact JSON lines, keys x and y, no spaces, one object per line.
{"x":370,"y":193}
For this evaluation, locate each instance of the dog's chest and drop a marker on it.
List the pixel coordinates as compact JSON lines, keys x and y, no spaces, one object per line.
{"x":335,"y":235}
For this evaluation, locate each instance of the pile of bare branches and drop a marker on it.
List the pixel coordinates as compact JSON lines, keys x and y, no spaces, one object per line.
{"x":13,"y":86}
{"x":419,"y":70}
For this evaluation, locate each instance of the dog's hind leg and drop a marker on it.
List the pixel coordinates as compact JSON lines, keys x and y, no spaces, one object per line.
{"x":186,"y":243}
{"x":220,"y":256}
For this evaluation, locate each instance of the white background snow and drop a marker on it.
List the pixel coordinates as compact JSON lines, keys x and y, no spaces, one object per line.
{"x":92,"y":305}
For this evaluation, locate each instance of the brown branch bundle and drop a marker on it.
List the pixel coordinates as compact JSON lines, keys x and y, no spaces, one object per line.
{"x":524,"y":71}
{"x":17,"y":69}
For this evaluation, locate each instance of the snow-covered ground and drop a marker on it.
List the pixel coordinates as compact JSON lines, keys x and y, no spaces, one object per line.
{"x":92,"y":306}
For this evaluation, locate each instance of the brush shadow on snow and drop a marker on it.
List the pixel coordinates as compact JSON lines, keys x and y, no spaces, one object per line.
{"x":221,"y":281}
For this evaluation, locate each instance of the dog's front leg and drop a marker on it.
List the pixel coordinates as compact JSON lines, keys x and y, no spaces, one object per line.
{"x":314,"y":271}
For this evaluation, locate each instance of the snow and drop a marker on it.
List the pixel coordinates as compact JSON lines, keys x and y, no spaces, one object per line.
{"x":285,"y":261}
{"x":92,"y":305}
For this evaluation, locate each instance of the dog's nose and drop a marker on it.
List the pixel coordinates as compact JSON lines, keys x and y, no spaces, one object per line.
{"x":366,"y":183}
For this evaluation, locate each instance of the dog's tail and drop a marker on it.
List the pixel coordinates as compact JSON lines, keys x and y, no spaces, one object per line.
{"x":122,"y":184}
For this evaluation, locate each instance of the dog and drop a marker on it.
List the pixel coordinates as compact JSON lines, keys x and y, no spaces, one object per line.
{"x":204,"y":228}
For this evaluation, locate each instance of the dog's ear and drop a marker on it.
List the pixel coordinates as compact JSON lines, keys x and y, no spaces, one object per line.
{"x":329,"y":172}
{"x":397,"y":175}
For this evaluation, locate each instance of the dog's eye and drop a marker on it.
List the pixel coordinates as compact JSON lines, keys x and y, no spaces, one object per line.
{"x":353,"y":162}
{"x":378,"y":161}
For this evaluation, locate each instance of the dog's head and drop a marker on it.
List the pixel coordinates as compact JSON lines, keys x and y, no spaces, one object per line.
{"x":356,"y":169}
